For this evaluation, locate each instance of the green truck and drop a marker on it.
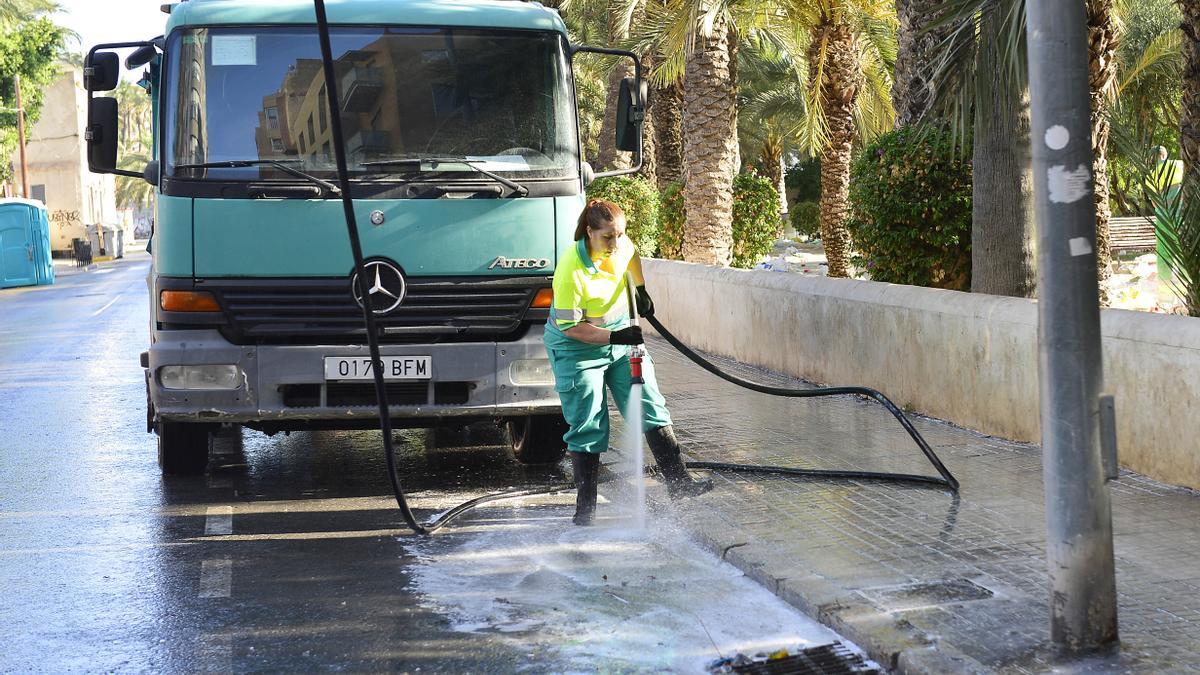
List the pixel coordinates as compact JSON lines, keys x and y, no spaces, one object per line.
{"x":462,"y":140}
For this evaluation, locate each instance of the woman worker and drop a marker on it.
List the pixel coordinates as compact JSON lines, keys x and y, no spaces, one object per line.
{"x":588,"y":338}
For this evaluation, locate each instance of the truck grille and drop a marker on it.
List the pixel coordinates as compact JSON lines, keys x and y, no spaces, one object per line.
{"x":322,"y":311}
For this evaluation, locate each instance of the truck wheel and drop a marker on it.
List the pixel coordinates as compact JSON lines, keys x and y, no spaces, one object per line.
{"x":537,"y":439}
{"x":183,"y":447}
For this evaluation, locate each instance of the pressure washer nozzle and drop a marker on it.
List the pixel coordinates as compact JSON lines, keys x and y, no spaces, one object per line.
{"x":635,"y":369}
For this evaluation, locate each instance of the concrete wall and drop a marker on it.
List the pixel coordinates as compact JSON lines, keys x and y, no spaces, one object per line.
{"x":76,"y":199}
{"x":970,"y":359}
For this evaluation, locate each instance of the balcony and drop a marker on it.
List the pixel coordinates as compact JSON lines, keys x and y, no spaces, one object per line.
{"x":360,"y":89}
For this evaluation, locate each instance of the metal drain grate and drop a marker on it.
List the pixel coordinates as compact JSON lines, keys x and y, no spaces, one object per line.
{"x":830,"y":659}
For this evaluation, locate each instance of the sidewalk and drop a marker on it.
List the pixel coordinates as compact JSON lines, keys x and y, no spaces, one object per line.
{"x":923,"y":580}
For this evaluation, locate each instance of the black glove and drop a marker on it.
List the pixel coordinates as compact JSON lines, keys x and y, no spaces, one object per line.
{"x":630,"y":335}
{"x":645,"y":306}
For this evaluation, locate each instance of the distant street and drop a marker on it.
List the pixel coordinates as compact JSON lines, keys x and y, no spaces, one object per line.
{"x":290,"y":554}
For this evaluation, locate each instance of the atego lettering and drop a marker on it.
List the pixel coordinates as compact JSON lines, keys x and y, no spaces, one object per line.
{"x":519,"y":263}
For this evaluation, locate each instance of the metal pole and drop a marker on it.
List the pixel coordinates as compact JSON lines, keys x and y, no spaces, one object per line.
{"x":21,"y":137}
{"x":1079,"y":548}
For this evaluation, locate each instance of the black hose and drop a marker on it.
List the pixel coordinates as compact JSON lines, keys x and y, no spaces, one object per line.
{"x":385,"y":420}
{"x":946,"y":480}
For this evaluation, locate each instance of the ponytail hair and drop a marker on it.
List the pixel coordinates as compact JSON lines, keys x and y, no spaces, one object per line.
{"x":597,"y":214}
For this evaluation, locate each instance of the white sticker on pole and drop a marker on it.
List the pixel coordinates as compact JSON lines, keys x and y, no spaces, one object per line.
{"x":1057,"y":137}
{"x":234,"y":50}
{"x":1067,"y":187}
{"x":1079,"y":246}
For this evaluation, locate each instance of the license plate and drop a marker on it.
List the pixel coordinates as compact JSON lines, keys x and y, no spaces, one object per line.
{"x":394,"y":368}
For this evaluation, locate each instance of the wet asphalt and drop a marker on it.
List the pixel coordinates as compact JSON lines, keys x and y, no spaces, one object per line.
{"x":289,"y":554}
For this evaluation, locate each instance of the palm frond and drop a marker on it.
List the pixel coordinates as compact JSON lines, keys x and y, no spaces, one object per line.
{"x":1162,"y":58}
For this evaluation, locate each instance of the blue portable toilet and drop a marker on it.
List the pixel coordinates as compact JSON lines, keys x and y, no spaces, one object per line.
{"x":24,"y":244}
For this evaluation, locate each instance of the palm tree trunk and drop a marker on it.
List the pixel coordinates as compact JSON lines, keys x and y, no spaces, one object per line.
{"x":667,"y":108}
{"x":1002,"y":191}
{"x":709,"y":147}
{"x":916,"y":46}
{"x":1189,"y":111}
{"x":1102,"y":71}
{"x":840,"y":80}
{"x":771,"y":158}
{"x":609,"y":157}
{"x":649,"y":146}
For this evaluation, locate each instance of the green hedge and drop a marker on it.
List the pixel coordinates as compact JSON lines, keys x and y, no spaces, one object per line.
{"x":756,"y":223}
{"x":671,"y":221}
{"x":639,"y":199}
{"x":910,"y":200}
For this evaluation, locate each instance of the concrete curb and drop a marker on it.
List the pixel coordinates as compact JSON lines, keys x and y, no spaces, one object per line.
{"x":893,"y":643}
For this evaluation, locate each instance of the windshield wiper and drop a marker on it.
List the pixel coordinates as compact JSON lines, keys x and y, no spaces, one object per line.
{"x":277,"y":163}
{"x":414,"y":165}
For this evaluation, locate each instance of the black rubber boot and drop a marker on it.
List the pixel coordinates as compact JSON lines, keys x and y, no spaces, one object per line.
{"x":665,"y":448}
{"x":586,"y":467}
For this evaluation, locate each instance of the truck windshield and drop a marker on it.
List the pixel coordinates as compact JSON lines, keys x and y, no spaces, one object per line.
{"x":499,"y":99}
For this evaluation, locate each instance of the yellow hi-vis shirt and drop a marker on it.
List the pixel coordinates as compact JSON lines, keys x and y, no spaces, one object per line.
{"x":591,"y":292}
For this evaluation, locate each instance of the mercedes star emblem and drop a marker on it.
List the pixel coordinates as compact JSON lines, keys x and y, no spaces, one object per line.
{"x":385,"y":286}
{"x":377,"y":218}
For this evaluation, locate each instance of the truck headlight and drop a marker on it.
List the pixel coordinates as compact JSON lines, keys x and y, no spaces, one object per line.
{"x":199,"y":377}
{"x":531,"y":372}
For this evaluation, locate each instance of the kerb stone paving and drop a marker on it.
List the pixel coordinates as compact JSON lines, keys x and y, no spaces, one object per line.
{"x":926,"y":581}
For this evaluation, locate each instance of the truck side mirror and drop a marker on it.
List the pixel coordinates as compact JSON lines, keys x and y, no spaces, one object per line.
{"x":151,"y":173}
{"x":101,"y":134}
{"x":101,"y":71}
{"x":631,"y":112}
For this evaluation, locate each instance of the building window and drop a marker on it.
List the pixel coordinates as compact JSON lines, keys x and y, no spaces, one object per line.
{"x":273,"y":117}
{"x":303,"y":148}
{"x":312,"y":135}
{"x":325,"y":149}
{"x":321,"y":109}
{"x":277,"y":145}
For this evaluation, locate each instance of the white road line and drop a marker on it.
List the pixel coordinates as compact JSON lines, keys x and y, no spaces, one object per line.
{"x":216,"y":577}
{"x":107,"y":270}
{"x":218,"y":520}
{"x":110,"y":304}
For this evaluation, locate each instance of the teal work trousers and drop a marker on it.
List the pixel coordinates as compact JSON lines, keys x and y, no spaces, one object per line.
{"x":580,"y":378}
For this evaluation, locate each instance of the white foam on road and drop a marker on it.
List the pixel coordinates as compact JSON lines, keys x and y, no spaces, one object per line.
{"x":531,"y":578}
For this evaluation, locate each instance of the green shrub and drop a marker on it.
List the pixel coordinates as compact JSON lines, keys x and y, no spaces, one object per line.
{"x":804,"y":178}
{"x":910,"y":203}
{"x":639,"y":199}
{"x":806,"y":219}
{"x":671,"y":221}
{"x":755,"y":218}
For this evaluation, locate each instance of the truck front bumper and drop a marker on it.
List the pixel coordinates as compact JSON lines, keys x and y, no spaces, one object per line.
{"x":282,"y":383}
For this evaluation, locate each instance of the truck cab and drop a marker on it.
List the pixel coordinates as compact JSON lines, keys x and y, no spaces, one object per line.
{"x":463,"y":150}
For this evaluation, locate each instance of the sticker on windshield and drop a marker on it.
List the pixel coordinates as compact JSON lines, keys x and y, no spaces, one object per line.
{"x":234,"y":50}
{"x":500,"y":162}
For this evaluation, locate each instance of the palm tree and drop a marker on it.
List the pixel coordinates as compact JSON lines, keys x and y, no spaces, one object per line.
{"x":983,"y":69}
{"x":1102,"y":77}
{"x":699,"y":38}
{"x":845,"y":36}
{"x":774,"y":103}
{"x":917,"y":40}
{"x":14,"y":11}
{"x":1189,"y":112}
{"x":710,"y":146}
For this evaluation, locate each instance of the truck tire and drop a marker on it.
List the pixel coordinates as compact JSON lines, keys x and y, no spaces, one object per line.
{"x":183,"y":447}
{"x":537,"y":439}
